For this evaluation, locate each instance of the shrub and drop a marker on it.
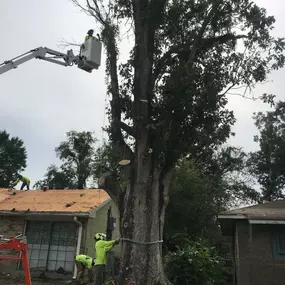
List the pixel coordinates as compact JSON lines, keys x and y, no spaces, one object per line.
{"x":195,"y":263}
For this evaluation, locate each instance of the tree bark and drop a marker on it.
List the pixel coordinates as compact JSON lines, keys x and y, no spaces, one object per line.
{"x":142,"y":230}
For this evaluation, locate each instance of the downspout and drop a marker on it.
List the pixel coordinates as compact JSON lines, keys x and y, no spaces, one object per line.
{"x":78,"y":242}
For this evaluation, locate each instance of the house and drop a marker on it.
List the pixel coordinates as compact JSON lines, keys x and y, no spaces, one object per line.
{"x":258,"y":243}
{"x":58,"y":224}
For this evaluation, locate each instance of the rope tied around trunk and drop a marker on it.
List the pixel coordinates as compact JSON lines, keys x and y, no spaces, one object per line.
{"x":142,"y":242}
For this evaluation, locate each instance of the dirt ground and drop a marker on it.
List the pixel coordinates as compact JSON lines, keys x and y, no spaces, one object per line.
{"x":7,"y":280}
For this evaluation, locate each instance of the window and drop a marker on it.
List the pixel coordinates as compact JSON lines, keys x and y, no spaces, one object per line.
{"x":51,"y":245}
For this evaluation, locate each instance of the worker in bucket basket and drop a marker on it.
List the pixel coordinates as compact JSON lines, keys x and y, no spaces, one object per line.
{"x":102,"y":247}
{"x":90,"y":35}
{"x":82,"y":263}
{"x":25,"y":182}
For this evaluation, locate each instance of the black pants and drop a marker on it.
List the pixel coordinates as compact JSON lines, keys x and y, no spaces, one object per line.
{"x":99,"y":275}
{"x":25,"y":184}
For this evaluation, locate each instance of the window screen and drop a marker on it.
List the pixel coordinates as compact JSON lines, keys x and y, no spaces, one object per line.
{"x":51,"y":245}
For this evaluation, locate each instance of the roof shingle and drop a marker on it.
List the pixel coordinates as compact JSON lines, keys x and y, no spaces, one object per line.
{"x":273,"y":210}
{"x":64,"y":201}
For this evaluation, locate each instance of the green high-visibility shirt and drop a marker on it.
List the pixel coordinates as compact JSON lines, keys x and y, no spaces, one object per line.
{"x":23,"y":179}
{"x":89,"y":37}
{"x":102,"y":247}
{"x":85,"y":260}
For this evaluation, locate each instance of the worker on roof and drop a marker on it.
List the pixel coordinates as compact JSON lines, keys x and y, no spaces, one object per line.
{"x":102,"y":247}
{"x":82,"y":263}
{"x":26,"y":182}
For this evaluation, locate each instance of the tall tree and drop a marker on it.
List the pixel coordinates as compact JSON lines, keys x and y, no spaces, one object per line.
{"x":268,"y":163}
{"x":58,"y":178}
{"x":13,"y":158}
{"x":77,"y":153}
{"x":199,"y":191}
{"x":172,"y":93}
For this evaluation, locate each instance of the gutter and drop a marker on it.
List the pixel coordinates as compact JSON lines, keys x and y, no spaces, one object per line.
{"x":78,"y":243}
{"x":30,"y":213}
{"x":232,"y":217}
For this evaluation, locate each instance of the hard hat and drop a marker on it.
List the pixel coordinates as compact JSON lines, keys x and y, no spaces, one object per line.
{"x":100,"y":236}
{"x":90,"y":32}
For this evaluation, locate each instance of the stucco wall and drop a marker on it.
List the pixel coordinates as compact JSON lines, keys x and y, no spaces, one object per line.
{"x":11,"y":226}
{"x":99,"y":225}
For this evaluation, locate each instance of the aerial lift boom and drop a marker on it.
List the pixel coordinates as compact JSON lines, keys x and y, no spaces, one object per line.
{"x":88,"y":59}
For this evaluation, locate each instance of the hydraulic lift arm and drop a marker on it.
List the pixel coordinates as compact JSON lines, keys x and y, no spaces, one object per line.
{"x":88,"y":59}
{"x":43,"y":53}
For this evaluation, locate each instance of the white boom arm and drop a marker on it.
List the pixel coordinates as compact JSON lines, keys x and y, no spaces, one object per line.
{"x":88,"y":59}
{"x":40,"y":53}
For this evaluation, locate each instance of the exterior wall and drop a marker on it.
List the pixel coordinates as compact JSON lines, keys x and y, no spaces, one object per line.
{"x":257,"y":266}
{"x":10,"y":227}
{"x":99,"y":225}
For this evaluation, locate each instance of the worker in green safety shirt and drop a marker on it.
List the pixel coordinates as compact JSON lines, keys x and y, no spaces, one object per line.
{"x":82,"y":263}
{"x":25,"y":182}
{"x":102,"y":247}
{"x":90,"y":35}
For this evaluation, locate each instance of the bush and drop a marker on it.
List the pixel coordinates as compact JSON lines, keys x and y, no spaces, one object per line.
{"x":195,"y":263}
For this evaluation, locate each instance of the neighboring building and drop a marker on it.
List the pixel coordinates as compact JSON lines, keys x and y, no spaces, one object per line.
{"x":258,"y":240}
{"x":57,"y":224}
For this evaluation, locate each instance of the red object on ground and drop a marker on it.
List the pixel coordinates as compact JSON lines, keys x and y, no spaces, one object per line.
{"x":22,"y":247}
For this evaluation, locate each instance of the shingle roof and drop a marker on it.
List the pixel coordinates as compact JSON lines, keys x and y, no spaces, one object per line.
{"x":52,"y":201}
{"x":271,"y":210}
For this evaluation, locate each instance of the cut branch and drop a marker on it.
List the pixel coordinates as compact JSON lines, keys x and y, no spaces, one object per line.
{"x":110,"y":185}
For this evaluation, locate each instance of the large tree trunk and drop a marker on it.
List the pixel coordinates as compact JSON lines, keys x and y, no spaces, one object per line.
{"x":142,"y":219}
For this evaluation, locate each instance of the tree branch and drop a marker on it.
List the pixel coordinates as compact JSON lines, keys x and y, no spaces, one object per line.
{"x":199,"y":36}
{"x":128,"y":129}
{"x":185,"y":50}
{"x":208,"y":43}
{"x":164,"y":183}
{"x":110,"y":185}
{"x":108,"y":33}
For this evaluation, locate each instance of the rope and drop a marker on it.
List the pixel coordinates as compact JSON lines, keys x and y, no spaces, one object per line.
{"x":142,"y":242}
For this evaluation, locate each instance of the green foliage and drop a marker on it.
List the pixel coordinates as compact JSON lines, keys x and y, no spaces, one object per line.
{"x":172,"y":92}
{"x":77,"y":153}
{"x":200,"y":190}
{"x":58,"y":178}
{"x":192,"y":63}
{"x":106,"y":159}
{"x":268,"y":163}
{"x":183,"y":65}
{"x":193,"y":201}
{"x":78,"y":156}
{"x":13,"y":158}
{"x":195,"y":263}
{"x":192,"y":74}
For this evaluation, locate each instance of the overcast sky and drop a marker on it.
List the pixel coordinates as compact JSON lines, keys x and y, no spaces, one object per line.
{"x":41,"y":101}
